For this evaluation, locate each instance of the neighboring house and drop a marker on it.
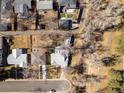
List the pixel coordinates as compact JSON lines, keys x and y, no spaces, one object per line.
{"x":69,"y":14}
{"x":6,"y":5}
{"x":6,"y":10}
{"x":6,"y":14}
{"x":66,"y":18}
{"x":20,"y":4}
{"x":61,"y":57}
{"x":44,"y":4}
{"x":68,"y":3}
{"x":65,"y":24}
{"x":18,"y":57}
{"x":22,"y":7}
{"x":38,"y":56}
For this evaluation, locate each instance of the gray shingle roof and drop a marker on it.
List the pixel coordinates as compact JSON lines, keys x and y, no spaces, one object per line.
{"x":18,"y":3}
{"x":44,"y":5}
{"x":69,"y":3}
{"x":6,"y":5}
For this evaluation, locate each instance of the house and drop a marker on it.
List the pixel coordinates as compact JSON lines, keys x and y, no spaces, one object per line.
{"x":69,"y":10}
{"x":65,"y":24}
{"x":44,"y":4}
{"x":22,"y":7}
{"x":61,"y":57}
{"x":68,"y":3}
{"x":6,"y":14}
{"x":18,"y":57}
{"x":66,"y":18}
{"x":21,"y":4}
{"x":6,"y":5}
{"x":6,"y":10}
{"x":38,"y":56}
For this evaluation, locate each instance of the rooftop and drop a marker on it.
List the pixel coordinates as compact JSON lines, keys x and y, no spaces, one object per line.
{"x":18,"y":4}
{"x":17,"y":58}
{"x":68,"y":3}
{"x":6,"y":5}
{"x":44,"y":4}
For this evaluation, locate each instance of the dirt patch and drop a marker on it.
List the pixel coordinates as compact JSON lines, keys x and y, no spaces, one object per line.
{"x":21,"y":42}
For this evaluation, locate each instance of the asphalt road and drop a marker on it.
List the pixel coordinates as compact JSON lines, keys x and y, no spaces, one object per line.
{"x":34,"y":86}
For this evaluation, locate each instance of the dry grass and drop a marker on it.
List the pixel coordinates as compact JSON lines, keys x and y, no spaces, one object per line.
{"x":113,"y":44}
{"x":105,"y":70}
{"x":21,"y":42}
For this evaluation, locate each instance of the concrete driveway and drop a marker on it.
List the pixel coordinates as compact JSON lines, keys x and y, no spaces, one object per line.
{"x":34,"y":85}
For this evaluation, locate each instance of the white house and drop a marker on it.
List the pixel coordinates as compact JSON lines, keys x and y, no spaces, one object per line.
{"x":61,"y":56}
{"x":17,"y":57}
{"x":44,"y":4}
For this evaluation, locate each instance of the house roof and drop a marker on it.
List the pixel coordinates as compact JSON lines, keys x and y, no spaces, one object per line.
{"x":65,"y":24}
{"x":6,"y":5}
{"x":18,"y":3}
{"x":61,"y":56}
{"x":17,"y":58}
{"x":68,"y":3}
{"x":38,"y":57}
{"x":63,"y":50}
{"x":44,"y":4}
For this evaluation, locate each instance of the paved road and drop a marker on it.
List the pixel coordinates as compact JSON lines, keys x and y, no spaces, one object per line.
{"x":37,"y":85}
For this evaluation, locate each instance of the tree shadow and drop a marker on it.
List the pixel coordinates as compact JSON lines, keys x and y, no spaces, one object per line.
{"x":79,"y":89}
{"x":110,"y":61}
{"x":79,"y":69}
{"x":14,"y":73}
